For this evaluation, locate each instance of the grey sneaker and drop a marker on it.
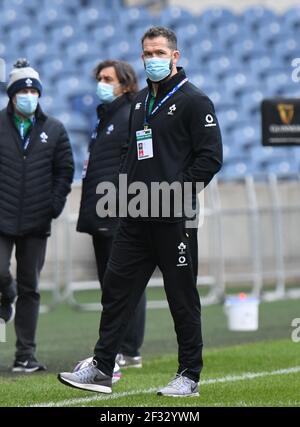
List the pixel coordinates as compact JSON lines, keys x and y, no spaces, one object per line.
{"x":180,"y":386}
{"x":88,"y":378}
{"x":128,"y":361}
{"x":29,"y":365}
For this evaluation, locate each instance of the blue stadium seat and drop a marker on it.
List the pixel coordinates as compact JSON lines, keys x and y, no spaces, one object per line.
{"x":84,"y":103}
{"x":230,"y":32}
{"x":205,"y":50}
{"x":214,"y":94}
{"x":13,"y":17}
{"x":70,"y":5}
{"x":92,"y":17}
{"x":9,"y":52}
{"x":245,"y":135}
{"x":250,"y":100}
{"x":134,"y":17}
{"x":20,"y":5}
{"x":283,"y":167}
{"x":276,"y":81}
{"x":190,"y":34}
{"x":270,"y":33}
{"x":51,"y":17}
{"x":20,"y":35}
{"x":291,"y":18}
{"x":238,"y":170}
{"x":87,"y":67}
{"x":74,"y":121}
{"x":236,"y":83}
{"x":264,"y":156}
{"x":286,"y":49}
{"x":203,"y":80}
{"x":233,"y":154}
{"x":247,"y":49}
{"x":68,"y":86}
{"x":139,"y":69}
{"x":291,"y":93}
{"x":256,"y":16}
{"x":237,"y":60}
{"x":174,"y":15}
{"x":82,"y":50}
{"x":107,"y":34}
{"x":63,"y":35}
{"x":53,"y":68}
{"x":213,"y":17}
{"x":124,"y":50}
{"x":260,"y":65}
{"x":52,"y":103}
{"x":223,"y":66}
{"x":228,"y":119}
{"x":37,"y":51}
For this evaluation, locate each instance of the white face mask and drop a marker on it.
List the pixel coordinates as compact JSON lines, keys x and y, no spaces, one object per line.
{"x":158,"y":69}
{"x":105,"y":92}
{"x":27,"y":103}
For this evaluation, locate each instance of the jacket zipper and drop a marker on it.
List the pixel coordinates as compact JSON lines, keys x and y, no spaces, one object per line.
{"x":22,"y":194}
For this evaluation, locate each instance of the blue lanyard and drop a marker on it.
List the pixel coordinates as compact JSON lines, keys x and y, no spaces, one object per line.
{"x":26,"y":141}
{"x":168,"y":96}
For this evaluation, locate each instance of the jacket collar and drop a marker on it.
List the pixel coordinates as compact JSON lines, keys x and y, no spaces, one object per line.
{"x":39,"y":114}
{"x":105,"y":109}
{"x":165,"y":86}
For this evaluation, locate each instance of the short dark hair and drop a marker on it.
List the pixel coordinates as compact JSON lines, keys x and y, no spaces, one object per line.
{"x":164,"y":32}
{"x":124,"y":71}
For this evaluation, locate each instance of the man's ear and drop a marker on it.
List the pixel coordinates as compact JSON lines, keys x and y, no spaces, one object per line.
{"x":176,"y":56}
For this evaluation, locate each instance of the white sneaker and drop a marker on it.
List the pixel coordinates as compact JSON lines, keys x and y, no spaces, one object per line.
{"x":128,"y":361}
{"x":180,"y":386}
{"x":117,"y":374}
{"x":88,"y":378}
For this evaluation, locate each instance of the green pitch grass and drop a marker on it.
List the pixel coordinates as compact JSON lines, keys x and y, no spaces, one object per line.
{"x":241,"y":369}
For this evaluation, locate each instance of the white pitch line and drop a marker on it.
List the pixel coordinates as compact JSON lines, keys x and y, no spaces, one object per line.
{"x":226,"y":379}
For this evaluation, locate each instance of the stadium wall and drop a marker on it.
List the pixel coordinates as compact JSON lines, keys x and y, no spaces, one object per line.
{"x":237,"y":234}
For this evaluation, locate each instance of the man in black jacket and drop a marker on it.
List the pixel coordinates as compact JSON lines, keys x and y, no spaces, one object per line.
{"x":117,"y":85}
{"x":174,"y":137}
{"x":36,"y":171}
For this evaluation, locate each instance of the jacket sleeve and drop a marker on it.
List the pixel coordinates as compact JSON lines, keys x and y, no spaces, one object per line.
{"x":63,"y":172}
{"x":206,"y":142}
{"x":125,"y":146}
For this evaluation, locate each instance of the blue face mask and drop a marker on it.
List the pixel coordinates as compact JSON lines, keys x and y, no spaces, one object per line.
{"x":27,"y":103}
{"x":158,"y":69}
{"x":105,"y":92}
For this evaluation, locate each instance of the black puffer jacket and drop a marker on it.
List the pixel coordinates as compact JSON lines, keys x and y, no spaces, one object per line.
{"x":106,"y":151}
{"x":34,"y":183}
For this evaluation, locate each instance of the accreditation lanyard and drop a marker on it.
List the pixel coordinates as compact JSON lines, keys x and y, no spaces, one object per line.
{"x":165,"y":99}
{"x":26,"y":141}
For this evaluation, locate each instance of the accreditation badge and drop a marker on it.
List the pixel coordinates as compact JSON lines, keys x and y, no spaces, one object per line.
{"x":144,"y":144}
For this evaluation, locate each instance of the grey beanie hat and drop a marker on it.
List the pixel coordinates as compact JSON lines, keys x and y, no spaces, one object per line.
{"x":23,"y":76}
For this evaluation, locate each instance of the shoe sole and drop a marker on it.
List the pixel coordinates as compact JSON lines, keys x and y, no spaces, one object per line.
{"x":89,"y":387}
{"x":26,"y":370}
{"x":131,"y":366}
{"x":178,"y":395}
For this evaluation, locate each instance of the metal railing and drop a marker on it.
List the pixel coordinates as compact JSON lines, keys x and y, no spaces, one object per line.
{"x":218,"y":278}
